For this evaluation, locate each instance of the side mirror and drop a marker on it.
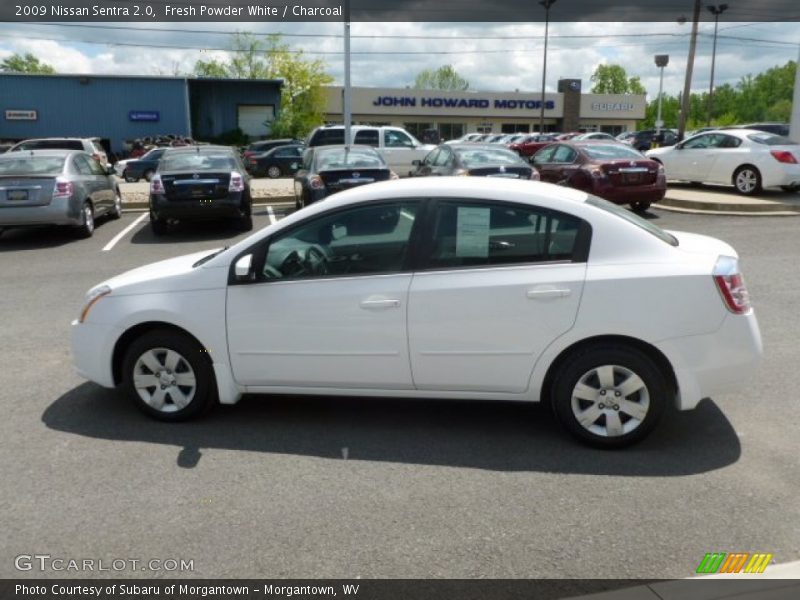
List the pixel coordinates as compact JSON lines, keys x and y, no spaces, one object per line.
{"x":416,"y":162}
{"x":242,"y":268}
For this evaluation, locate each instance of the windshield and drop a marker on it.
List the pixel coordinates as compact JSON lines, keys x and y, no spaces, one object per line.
{"x":50,"y":145}
{"x":770,"y":139}
{"x":624,"y":213}
{"x":32,"y":165}
{"x":610,"y":152}
{"x":488,"y":156}
{"x":198,"y":162}
{"x":349,"y":158}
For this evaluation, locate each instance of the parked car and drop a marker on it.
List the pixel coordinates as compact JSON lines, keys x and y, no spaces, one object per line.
{"x":532,"y":144}
{"x":330,"y":169}
{"x":134,"y":169}
{"x":612,"y":171}
{"x":468,"y":137}
{"x":91,"y":146}
{"x":594,"y":135}
{"x":5,"y":148}
{"x":197,"y":183}
{"x":781,"y":129}
{"x":436,"y":288}
{"x":265,"y":145}
{"x":475,"y":159}
{"x":280,"y":161}
{"x":56,"y":187}
{"x":643,"y":140}
{"x":398,"y":147}
{"x":745,"y":158}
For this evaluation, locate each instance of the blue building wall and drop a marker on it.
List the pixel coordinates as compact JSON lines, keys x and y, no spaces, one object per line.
{"x":215,"y":102}
{"x":93,"y":106}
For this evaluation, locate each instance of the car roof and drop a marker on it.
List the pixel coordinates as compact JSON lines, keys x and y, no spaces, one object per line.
{"x":45,"y":152}
{"x":492,"y":147}
{"x":328,"y":147}
{"x":198,"y":149}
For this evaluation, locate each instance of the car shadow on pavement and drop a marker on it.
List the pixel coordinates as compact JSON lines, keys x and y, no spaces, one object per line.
{"x":183,"y":233}
{"x":37,"y":238}
{"x":498,"y":436}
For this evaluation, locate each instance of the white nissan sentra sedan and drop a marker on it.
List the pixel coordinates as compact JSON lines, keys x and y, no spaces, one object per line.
{"x":461,"y":288}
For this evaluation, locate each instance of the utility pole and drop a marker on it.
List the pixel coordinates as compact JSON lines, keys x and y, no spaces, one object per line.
{"x":547,"y":4}
{"x":662,"y":60}
{"x":347,"y":107}
{"x":716,"y":11}
{"x":687,"y":85}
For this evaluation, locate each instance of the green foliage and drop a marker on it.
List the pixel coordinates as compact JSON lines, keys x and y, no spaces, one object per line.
{"x":443,"y":78}
{"x":303,"y":94}
{"x":613,"y":79}
{"x":27,"y":63}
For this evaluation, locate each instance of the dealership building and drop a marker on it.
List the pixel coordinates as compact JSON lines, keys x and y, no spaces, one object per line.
{"x":456,"y":113}
{"x":119,"y":110}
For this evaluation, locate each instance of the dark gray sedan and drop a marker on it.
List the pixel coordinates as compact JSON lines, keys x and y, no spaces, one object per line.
{"x":482,"y":160}
{"x":56,"y":187}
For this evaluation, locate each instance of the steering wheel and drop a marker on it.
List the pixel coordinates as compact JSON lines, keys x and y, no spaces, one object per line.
{"x":315,"y":261}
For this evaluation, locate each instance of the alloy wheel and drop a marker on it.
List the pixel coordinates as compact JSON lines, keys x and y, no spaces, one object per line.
{"x":164,"y":380}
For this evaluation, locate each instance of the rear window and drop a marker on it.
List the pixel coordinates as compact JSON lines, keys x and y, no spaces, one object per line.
{"x":489,"y":156}
{"x":198,"y":162}
{"x":327,"y":137}
{"x":349,"y":158}
{"x":31,"y":165}
{"x":770,"y":139}
{"x":624,"y":213}
{"x":610,"y":151}
{"x":51,"y":145}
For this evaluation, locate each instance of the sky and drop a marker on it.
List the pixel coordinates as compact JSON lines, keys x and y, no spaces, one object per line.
{"x":491,"y":56}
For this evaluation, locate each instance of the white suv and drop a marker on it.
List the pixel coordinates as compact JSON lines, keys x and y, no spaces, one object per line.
{"x":398,"y":147}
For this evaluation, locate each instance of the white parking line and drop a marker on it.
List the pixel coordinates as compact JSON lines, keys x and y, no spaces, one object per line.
{"x":122,"y":233}
{"x":271,"y":213}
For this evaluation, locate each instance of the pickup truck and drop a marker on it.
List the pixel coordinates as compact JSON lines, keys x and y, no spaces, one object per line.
{"x":398,"y":147}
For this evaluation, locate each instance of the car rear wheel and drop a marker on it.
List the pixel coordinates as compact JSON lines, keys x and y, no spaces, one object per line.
{"x":609,"y":395}
{"x":274,"y":172}
{"x":168,"y":376}
{"x":159,"y":226}
{"x":86,"y":228}
{"x":747,"y":180}
{"x":130,"y":178}
{"x":116,"y":210}
{"x":148,"y":175}
{"x":640,"y":206}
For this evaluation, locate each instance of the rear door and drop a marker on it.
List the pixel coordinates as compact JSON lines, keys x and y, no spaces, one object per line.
{"x":94,"y":186}
{"x":400,"y":151}
{"x":499,"y":282}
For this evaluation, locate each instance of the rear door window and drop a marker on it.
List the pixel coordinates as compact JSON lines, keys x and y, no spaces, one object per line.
{"x":368,"y":137}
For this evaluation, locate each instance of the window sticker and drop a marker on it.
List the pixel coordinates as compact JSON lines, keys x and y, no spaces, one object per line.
{"x":472,"y":232}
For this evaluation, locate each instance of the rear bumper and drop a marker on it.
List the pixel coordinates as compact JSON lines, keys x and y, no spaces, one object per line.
{"x":720,"y":362}
{"x":626,"y":195}
{"x":61,"y":211}
{"x":231,"y":206}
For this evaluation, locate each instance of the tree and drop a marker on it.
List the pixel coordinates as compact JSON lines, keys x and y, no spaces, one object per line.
{"x":613,"y":79}
{"x":303,"y":95}
{"x":443,"y":78}
{"x":27,"y":63}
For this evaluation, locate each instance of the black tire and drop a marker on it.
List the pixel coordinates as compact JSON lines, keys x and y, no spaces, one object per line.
{"x":696,"y":183}
{"x":86,"y":228}
{"x":648,"y":402}
{"x":297,"y":205}
{"x":116,"y":210}
{"x":640,"y":206}
{"x":790,"y":188}
{"x":274,"y":171}
{"x":193,"y":361}
{"x":245,"y":223}
{"x":129,"y":178}
{"x":148,"y":175}
{"x":159,"y":226}
{"x":747,"y":180}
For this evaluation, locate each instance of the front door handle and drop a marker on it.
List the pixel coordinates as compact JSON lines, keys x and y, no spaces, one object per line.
{"x":544,"y":293}
{"x":379,"y":303}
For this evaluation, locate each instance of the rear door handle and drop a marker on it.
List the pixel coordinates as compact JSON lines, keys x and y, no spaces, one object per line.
{"x":379,"y":303}
{"x":544,"y":293}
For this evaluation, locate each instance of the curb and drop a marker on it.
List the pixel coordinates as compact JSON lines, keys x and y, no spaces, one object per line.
{"x":753,"y":208}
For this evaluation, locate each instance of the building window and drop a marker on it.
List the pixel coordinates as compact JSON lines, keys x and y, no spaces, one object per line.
{"x":416,"y":129}
{"x":612,"y":129}
{"x":451,"y":131}
{"x":514,"y":128}
{"x":484,"y":128}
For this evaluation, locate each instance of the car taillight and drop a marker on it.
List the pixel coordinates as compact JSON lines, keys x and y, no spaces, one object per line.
{"x":156,"y":185}
{"x":784,"y":156}
{"x":97,"y":157}
{"x":237,"y":182}
{"x":535,"y":175}
{"x":316,"y":183}
{"x":63,"y":188}
{"x":253,"y":161}
{"x":731,"y":285}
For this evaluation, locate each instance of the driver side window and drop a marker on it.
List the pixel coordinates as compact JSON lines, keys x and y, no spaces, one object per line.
{"x":362,"y":240}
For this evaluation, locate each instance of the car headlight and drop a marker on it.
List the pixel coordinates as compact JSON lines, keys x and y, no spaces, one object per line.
{"x":92,"y":296}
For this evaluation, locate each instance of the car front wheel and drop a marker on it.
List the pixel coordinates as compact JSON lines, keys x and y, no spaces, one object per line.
{"x":609,"y":395}
{"x":167,"y":374}
{"x":747,"y":180}
{"x":274,"y":172}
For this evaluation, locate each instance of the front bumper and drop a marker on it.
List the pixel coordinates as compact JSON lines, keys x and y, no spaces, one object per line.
{"x":92,"y":351}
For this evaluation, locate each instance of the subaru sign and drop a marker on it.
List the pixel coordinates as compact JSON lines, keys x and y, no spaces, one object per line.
{"x":144,"y":115}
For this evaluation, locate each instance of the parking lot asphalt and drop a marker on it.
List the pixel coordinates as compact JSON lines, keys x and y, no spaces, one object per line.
{"x":323,"y":487}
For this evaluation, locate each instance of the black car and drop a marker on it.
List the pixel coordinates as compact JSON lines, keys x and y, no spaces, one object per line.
{"x":330,"y":169}
{"x":200,"y":182}
{"x":140,"y":168}
{"x":643,"y":140}
{"x":264,"y":145}
{"x":474,"y":159}
{"x":277,"y":162}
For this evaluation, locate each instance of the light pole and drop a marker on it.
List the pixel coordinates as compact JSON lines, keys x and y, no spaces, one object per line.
{"x":687,"y":84}
{"x":662,"y":60}
{"x":716,"y":11}
{"x":547,"y":4}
